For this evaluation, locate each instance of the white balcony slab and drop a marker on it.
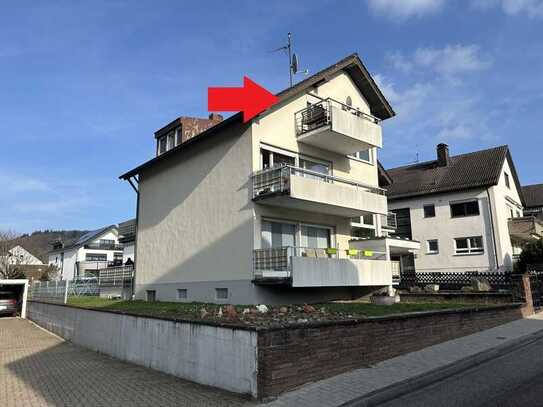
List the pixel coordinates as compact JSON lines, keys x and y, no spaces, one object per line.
{"x":346,"y":133}
{"x":315,"y":195}
{"x":329,"y":272}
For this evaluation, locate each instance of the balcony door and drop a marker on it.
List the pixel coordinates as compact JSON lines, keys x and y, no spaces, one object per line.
{"x":278,"y":234}
{"x":316,"y":237}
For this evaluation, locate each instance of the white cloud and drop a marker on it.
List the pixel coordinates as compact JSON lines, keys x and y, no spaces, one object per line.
{"x":401,"y":10}
{"x":449,"y":61}
{"x":530,"y":8}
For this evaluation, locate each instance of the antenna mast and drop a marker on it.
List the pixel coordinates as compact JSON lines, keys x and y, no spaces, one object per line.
{"x":289,"y":47}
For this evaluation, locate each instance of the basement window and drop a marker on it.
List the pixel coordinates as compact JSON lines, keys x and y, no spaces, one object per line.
{"x":150,"y":295}
{"x":182,"y":294}
{"x":429,"y":211}
{"x":221,"y":293}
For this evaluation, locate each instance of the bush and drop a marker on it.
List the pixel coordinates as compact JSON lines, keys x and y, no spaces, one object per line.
{"x":532,"y":253}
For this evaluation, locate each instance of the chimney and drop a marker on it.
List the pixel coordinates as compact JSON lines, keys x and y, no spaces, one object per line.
{"x":443,"y":158}
{"x":215,"y":117}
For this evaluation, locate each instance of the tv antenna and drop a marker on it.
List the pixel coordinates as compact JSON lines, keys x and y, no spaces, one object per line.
{"x":293,"y":65}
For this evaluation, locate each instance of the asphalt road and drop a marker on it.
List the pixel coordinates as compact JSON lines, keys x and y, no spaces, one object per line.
{"x":514,"y":379}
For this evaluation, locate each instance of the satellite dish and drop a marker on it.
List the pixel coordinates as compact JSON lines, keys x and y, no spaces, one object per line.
{"x":294,"y":65}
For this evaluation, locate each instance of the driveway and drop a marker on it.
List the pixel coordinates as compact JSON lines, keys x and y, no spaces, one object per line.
{"x":40,"y":369}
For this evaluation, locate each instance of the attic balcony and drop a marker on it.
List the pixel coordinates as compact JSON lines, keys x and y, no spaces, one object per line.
{"x":526,"y":228}
{"x":286,"y":186}
{"x":334,"y":126}
{"x":104,"y":246}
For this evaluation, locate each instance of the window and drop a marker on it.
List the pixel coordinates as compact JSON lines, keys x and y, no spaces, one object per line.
{"x":364,"y":155}
{"x":315,"y":237}
{"x":507,"y":181}
{"x":107,"y":242}
{"x":162,"y":145}
{"x":95,"y":257}
{"x":171,"y":140}
{"x":278,"y":234}
{"x":221,"y":293}
{"x":429,"y":211}
{"x":361,"y":233}
{"x":272,"y":159}
{"x":349,"y":101}
{"x":463,"y":209}
{"x":150,"y":295}
{"x":432,"y":246}
{"x":182,"y":294}
{"x":469,"y":245}
{"x":315,"y":167}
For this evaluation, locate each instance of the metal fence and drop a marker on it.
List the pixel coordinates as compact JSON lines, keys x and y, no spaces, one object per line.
{"x":455,"y":280}
{"x":49,"y":291}
{"x":120,"y":276}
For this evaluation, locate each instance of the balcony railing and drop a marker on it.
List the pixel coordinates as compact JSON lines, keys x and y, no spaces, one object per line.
{"x":276,"y":180}
{"x":389,"y":221}
{"x":104,"y":246}
{"x":278,"y":260}
{"x":320,"y":114}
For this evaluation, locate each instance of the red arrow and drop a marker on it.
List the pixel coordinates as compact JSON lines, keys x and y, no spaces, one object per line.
{"x":252,"y":99}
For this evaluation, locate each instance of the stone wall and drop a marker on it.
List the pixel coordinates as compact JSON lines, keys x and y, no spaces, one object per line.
{"x":290,"y":357}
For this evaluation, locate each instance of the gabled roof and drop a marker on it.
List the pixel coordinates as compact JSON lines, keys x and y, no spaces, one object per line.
{"x":86,"y":238}
{"x":533,"y":195}
{"x":351,"y":64}
{"x":478,"y":169}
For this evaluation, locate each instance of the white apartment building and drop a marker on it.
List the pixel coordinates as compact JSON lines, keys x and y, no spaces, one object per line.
{"x":466,"y":210}
{"x":261,"y":212}
{"x":91,"y":252}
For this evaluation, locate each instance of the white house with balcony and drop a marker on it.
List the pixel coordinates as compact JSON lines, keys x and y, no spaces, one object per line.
{"x":466,"y":210}
{"x":84,"y":257}
{"x":270,"y":211}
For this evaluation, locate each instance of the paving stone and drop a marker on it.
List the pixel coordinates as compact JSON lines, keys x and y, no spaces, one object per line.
{"x":38,"y":369}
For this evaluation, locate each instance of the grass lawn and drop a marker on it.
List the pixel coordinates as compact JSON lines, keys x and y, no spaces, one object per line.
{"x":294,"y":313}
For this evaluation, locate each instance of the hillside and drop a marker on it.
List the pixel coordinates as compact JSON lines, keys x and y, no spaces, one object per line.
{"x":38,"y":243}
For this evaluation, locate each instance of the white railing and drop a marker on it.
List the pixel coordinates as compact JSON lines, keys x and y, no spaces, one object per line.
{"x":277,"y":180}
{"x":120,"y":276}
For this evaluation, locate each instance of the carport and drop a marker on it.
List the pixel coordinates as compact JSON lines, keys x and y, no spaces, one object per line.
{"x":21,"y":288}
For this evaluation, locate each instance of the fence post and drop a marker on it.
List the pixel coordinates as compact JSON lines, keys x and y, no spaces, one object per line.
{"x":66,"y":292}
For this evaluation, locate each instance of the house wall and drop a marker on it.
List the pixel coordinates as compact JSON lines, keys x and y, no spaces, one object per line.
{"x":445,"y":228}
{"x":503,"y":198}
{"x":195,"y":223}
{"x":277,"y":128}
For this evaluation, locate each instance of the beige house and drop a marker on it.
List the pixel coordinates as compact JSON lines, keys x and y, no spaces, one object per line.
{"x":466,"y":210}
{"x":266,"y":211}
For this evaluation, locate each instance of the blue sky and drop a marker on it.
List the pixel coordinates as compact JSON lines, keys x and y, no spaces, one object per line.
{"x":85,"y":84}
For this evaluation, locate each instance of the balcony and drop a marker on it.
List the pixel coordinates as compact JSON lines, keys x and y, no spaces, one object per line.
{"x":291,"y":187}
{"x":333,"y":126}
{"x":526,"y":228}
{"x":310,"y":267}
{"x":389,"y":222}
{"x":104,"y":246}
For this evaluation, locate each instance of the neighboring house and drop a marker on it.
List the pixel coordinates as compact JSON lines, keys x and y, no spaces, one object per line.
{"x":461,"y":208}
{"x":260,"y":212}
{"x":19,"y":255}
{"x":533,"y":197}
{"x":91,"y":252}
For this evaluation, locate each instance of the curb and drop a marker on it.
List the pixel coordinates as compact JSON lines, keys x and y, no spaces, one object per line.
{"x":407,"y":386}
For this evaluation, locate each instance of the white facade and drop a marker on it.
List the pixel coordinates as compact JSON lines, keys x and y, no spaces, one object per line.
{"x":203,"y":224}
{"x":497,"y":204}
{"x":19,"y":255}
{"x":83,"y":260}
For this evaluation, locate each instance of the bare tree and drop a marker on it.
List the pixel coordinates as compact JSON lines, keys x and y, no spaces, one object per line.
{"x":9,"y":264}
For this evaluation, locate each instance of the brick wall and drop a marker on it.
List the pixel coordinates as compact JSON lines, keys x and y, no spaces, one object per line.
{"x":290,"y":357}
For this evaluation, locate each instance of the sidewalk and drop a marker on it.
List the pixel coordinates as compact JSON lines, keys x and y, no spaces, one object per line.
{"x":393,"y":377}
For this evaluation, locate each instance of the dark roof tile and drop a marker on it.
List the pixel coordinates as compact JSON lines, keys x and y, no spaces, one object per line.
{"x":466,"y":171}
{"x":533,"y":195}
